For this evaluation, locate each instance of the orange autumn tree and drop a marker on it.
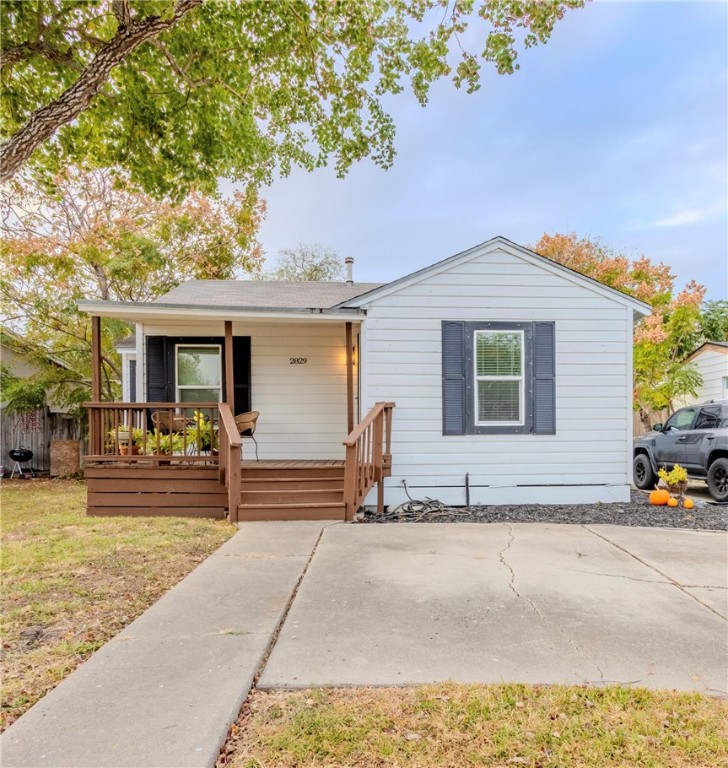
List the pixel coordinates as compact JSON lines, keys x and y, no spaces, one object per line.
{"x":661,"y":340}
{"x":91,"y":234}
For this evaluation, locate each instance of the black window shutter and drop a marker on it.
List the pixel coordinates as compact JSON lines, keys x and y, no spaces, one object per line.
{"x":544,"y":379}
{"x":241,"y":374}
{"x":453,"y":378}
{"x":157,"y":379}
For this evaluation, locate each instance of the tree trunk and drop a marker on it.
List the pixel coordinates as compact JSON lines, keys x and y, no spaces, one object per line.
{"x":44,"y":122}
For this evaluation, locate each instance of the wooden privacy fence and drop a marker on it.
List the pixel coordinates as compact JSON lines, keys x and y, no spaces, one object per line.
{"x":368,"y":458}
{"x":53,"y":426}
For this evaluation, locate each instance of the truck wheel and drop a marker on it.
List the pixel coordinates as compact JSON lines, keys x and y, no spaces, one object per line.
{"x":718,"y":480}
{"x":644,"y":477}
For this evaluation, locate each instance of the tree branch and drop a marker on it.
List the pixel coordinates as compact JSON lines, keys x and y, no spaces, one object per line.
{"x":45,"y":121}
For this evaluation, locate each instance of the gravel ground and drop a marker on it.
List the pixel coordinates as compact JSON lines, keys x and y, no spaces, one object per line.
{"x":638,"y":512}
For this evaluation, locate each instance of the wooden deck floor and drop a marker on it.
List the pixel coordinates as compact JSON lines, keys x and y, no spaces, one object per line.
{"x":292,"y":464}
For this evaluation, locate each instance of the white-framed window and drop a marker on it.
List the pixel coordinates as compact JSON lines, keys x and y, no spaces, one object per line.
{"x":725,"y":387}
{"x":498,"y":360}
{"x":198,"y":373}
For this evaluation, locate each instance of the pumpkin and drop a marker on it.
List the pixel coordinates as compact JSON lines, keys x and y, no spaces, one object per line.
{"x":672,"y":502}
{"x":659,"y":497}
{"x":688,"y":503}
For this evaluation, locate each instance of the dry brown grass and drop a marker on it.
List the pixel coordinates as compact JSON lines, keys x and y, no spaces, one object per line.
{"x":497,"y":726}
{"x":71,"y":582}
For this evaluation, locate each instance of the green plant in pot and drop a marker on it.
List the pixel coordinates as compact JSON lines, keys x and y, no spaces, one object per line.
{"x":165,"y":443}
{"x":202,"y":433}
{"x":676,"y":479}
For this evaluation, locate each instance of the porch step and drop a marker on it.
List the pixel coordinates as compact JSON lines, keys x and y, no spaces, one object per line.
{"x":254,"y":471}
{"x":291,"y":483}
{"x":284,"y":495}
{"x":292,"y":511}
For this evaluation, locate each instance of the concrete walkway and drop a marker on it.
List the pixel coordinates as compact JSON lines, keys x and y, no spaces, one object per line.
{"x":384,"y":605}
{"x":399,"y":604}
{"x":163,"y":692}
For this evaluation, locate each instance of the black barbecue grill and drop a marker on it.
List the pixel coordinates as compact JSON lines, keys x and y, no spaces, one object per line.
{"x":21,"y":456}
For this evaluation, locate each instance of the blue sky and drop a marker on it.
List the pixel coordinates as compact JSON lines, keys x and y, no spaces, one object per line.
{"x":616,"y":128}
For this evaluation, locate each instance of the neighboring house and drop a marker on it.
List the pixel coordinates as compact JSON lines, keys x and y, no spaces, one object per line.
{"x":711,"y":361}
{"x":511,"y":375}
{"x":54,"y":423}
{"x":127,"y":355}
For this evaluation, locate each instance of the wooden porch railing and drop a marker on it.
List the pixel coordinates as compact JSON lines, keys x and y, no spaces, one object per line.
{"x":230,"y":459}
{"x":153,"y":432}
{"x":368,"y":458}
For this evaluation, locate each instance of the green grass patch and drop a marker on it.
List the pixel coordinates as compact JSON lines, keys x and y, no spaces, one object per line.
{"x":71,"y":582}
{"x":481,"y":725}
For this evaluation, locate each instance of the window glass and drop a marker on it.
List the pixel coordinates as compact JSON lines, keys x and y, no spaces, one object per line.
{"x":199,"y":373}
{"x":709,"y":418}
{"x":498,"y":354}
{"x":681,"y":420}
{"x":499,"y":377}
{"x":499,"y":401}
{"x":198,"y":366}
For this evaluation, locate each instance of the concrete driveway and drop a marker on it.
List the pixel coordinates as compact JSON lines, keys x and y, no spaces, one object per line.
{"x":398,"y":604}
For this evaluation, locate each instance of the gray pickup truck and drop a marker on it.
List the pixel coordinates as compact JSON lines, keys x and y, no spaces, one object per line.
{"x":696,"y":438}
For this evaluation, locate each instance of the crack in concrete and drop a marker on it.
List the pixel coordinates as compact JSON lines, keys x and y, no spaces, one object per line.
{"x":512,"y":582}
{"x":621,"y":576}
{"x":672,"y":581}
{"x":532,"y":605}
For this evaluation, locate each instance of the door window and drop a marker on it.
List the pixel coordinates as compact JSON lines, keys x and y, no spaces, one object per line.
{"x":681,"y":420}
{"x":709,"y":418}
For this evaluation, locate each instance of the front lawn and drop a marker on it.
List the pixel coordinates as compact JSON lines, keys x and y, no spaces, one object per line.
{"x":498,"y":726}
{"x":71,"y":582}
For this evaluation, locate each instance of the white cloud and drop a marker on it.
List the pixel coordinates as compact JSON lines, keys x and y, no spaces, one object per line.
{"x":691,"y":215}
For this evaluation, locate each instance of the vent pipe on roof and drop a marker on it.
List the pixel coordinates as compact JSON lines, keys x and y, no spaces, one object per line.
{"x":349,"y":261}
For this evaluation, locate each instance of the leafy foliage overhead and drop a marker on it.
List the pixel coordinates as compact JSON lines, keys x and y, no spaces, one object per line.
{"x":89,"y":235}
{"x":181,"y":92}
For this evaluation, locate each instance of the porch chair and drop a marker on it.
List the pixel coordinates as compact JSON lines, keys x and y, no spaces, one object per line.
{"x":245,"y":423}
{"x":167,"y":422}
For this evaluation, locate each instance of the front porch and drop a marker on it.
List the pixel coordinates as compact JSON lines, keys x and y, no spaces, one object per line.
{"x":196,"y":468}
{"x":175,"y":455}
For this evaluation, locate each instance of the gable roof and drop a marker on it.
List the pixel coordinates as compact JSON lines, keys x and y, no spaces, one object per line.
{"x":713,"y":346}
{"x":501,"y":242}
{"x":264,"y":294}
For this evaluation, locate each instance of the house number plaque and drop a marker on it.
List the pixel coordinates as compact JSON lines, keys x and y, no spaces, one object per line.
{"x":297,"y":360}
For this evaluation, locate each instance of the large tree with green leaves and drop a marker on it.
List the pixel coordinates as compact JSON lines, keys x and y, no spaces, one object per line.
{"x":182,"y":92}
{"x":88,"y":234}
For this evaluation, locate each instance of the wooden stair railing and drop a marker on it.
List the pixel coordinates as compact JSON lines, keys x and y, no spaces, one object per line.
{"x":230,"y":459}
{"x":368,"y":458}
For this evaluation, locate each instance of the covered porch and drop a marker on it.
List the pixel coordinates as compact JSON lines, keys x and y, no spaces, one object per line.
{"x":317,"y":459}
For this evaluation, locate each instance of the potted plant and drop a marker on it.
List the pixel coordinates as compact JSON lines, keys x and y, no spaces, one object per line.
{"x":120,"y":438}
{"x":202,"y":433}
{"x":165,"y":444}
{"x":676,"y":479}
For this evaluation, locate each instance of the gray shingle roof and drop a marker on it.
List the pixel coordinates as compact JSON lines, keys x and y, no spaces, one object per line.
{"x":263,"y":293}
{"x":128,"y":342}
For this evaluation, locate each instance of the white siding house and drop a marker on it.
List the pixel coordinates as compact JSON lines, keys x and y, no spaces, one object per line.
{"x":512,"y":375}
{"x":711,"y":362}
{"x":588,"y":458}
